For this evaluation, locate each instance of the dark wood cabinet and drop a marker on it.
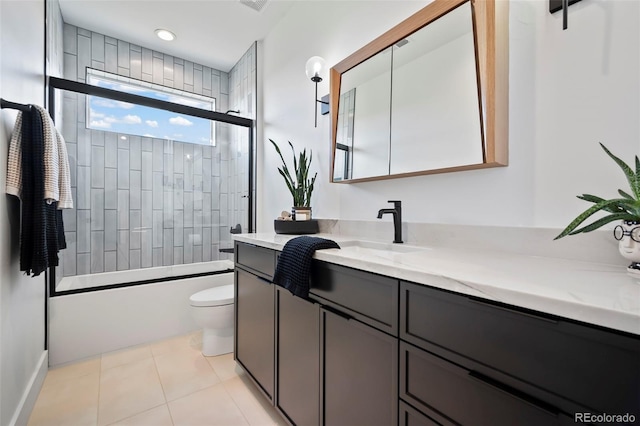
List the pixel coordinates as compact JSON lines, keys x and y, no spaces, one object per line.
{"x":298,"y":358}
{"x":359,"y":371}
{"x":572,"y":366}
{"x":365,"y":349}
{"x":255,"y":329}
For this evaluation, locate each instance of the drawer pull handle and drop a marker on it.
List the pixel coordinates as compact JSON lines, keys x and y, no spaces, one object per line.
{"x":514,"y":393}
{"x":266,"y":281}
{"x":337,"y":312}
{"x":304,"y":299}
{"x":513,"y":311}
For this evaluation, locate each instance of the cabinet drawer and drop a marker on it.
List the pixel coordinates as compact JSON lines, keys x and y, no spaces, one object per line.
{"x":370,"y":298}
{"x":257,"y":259}
{"x":454,"y":394}
{"x":594,"y":368}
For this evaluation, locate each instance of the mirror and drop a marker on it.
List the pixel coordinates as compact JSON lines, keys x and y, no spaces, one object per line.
{"x":429,"y":96}
{"x":363,"y":116}
{"x":434,"y":104}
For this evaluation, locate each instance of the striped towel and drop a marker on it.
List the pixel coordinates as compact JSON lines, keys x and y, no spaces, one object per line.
{"x":57,"y":178}
{"x":14,"y":161}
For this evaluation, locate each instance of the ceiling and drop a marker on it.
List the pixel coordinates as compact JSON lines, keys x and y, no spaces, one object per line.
{"x":214,"y":33}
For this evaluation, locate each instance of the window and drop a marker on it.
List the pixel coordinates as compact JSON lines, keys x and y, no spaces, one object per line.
{"x":122,"y":117}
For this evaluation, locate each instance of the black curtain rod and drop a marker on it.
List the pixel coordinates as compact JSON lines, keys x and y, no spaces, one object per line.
{"x":13,"y":105}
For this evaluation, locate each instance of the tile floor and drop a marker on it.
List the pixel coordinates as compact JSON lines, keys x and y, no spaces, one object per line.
{"x":163,"y":383}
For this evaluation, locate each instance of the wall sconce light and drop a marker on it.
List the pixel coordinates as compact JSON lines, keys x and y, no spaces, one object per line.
{"x":563,"y":5}
{"x":314,"y":68}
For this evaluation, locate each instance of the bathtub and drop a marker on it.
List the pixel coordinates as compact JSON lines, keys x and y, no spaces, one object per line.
{"x":87,"y":323}
{"x":141,"y":276}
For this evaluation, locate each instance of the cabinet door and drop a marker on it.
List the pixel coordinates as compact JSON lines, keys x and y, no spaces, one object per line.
{"x":298,"y":358}
{"x":255,"y":328}
{"x":409,"y":416}
{"x":360,"y":372}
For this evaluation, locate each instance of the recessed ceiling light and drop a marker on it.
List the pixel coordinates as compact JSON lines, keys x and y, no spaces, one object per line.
{"x":165,"y":34}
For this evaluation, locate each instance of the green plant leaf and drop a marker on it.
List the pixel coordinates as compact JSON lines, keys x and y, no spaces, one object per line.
{"x":295,"y":164}
{"x":291,"y":190}
{"x":625,"y":208}
{"x":284,"y":171}
{"x":603,"y":205}
{"x":591,"y":198}
{"x":615,"y":208}
{"x":310,"y":186}
{"x":630,"y":206}
{"x":594,"y":199}
{"x":625,"y":195}
{"x":298,"y":184}
{"x":603,"y":221}
{"x":633,"y":178}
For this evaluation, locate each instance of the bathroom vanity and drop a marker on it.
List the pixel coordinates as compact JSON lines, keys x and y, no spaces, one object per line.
{"x":394,"y":334}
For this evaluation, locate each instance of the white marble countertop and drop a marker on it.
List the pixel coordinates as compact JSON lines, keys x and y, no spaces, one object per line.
{"x":594,"y":293}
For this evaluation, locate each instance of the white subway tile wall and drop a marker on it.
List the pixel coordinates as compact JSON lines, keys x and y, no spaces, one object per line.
{"x":143,"y":202}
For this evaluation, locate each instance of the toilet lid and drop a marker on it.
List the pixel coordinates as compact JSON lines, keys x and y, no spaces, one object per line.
{"x":216,"y":296}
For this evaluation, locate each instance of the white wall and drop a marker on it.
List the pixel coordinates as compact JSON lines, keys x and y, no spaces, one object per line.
{"x":568,"y":91}
{"x":22,"y":299}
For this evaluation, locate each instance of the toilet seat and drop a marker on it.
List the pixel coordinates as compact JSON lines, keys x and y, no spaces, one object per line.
{"x":216,"y":296}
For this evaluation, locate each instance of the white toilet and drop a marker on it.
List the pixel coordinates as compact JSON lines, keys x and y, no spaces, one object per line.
{"x":213,"y":311}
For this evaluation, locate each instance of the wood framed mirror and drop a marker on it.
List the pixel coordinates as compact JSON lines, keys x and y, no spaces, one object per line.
{"x":428,"y":96}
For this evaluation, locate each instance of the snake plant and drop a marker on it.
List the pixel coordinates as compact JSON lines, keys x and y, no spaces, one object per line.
{"x":300,"y":185}
{"x":627,"y":207}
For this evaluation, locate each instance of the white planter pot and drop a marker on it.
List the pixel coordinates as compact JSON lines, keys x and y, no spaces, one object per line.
{"x":628,"y":235}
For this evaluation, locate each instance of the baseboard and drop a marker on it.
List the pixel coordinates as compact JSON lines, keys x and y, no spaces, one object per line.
{"x":28,"y":400}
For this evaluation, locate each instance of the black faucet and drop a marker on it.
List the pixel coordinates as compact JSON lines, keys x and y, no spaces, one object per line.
{"x":396,"y":211}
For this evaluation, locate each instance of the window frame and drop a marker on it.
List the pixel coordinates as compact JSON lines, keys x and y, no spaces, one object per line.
{"x":148,"y":86}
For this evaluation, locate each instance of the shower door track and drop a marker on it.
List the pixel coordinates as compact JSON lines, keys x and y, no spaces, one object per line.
{"x":103,"y":92}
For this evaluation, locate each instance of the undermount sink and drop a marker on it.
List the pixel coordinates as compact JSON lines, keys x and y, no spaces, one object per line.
{"x":371,"y":248}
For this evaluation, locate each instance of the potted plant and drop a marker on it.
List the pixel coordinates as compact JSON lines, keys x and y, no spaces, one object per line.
{"x":625,"y":209}
{"x":299,"y":184}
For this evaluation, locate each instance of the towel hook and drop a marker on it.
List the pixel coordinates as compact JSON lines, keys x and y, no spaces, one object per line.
{"x":14,"y":105}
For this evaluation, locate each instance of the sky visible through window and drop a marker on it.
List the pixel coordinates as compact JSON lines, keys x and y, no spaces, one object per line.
{"x":122,"y":117}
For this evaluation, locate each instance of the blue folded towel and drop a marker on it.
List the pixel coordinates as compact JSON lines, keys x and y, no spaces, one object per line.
{"x":294,"y":264}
